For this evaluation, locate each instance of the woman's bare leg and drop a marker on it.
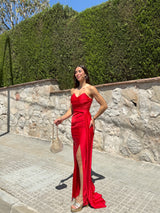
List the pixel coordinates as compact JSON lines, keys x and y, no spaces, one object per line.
{"x":79,"y":161}
{"x":79,"y":199}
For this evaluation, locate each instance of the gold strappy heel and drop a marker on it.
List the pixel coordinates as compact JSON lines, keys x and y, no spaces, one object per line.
{"x":78,"y":207}
{"x":78,"y":204}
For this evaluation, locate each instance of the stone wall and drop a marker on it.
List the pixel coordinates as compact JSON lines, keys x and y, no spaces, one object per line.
{"x":30,"y":108}
{"x":130,"y":127}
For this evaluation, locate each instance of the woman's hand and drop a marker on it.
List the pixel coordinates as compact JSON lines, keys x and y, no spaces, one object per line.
{"x":58,"y":121}
{"x":92,"y":123}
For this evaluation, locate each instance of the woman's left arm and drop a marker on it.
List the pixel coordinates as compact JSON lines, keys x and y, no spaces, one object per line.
{"x":103,"y":105}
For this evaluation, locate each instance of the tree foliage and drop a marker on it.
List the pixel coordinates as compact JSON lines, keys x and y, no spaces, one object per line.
{"x":117,"y":41}
{"x":12,"y":12}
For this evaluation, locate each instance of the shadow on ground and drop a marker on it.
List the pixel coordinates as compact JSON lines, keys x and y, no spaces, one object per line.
{"x":62,"y":185}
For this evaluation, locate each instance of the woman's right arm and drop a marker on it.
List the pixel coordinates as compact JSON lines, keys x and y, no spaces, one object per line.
{"x":66,"y":115}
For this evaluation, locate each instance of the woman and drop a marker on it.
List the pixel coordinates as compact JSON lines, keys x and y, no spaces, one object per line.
{"x":82,"y":129}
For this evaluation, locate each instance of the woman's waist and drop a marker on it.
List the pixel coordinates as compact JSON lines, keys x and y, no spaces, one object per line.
{"x":80,"y":110}
{"x":80,"y":118}
{"x":81,"y":113}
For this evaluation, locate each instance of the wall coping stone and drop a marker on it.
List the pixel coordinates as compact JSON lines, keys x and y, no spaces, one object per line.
{"x":138,"y":81}
{"x":29,"y":83}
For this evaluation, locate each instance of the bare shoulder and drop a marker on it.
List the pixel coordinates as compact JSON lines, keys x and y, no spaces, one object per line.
{"x":93,"y":89}
{"x":72,"y":91}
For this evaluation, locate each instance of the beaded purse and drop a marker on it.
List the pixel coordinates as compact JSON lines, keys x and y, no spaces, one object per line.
{"x":56,"y":144}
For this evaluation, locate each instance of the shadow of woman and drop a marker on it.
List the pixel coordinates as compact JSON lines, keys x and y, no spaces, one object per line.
{"x":62,"y":185}
{"x":98,"y":176}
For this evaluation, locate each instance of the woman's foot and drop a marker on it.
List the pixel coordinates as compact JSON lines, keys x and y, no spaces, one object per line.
{"x":78,"y":204}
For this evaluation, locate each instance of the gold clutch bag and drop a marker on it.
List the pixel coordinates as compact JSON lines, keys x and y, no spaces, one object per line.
{"x":56,"y":144}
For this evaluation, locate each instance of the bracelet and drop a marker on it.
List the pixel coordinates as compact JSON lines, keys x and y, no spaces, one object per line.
{"x":93,"y":118}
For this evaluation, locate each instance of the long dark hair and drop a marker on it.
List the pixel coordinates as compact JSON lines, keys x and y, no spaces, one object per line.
{"x":76,"y":82}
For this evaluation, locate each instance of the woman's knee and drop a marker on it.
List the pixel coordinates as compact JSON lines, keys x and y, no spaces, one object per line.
{"x":79,"y":159}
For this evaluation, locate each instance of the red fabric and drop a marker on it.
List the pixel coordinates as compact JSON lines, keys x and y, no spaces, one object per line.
{"x":83,"y":137}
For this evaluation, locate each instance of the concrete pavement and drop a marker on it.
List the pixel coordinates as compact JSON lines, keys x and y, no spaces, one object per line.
{"x":30,"y":175}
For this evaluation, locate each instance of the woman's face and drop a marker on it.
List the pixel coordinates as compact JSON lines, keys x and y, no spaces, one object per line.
{"x":79,"y":74}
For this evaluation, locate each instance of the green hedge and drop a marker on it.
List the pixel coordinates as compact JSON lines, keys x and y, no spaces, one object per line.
{"x":122,"y":40}
{"x":117,"y":40}
{"x":38,"y":48}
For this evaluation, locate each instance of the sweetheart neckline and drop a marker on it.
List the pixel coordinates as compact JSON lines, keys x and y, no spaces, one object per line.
{"x":81,"y":94}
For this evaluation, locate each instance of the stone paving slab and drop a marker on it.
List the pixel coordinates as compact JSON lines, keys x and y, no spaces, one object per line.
{"x":10,"y":204}
{"x":31,"y":173}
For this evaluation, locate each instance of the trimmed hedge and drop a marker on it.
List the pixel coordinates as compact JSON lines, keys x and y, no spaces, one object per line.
{"x":117,"y":40}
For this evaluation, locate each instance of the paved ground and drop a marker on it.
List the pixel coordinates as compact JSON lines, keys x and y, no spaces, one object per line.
{"x":31,"y":173}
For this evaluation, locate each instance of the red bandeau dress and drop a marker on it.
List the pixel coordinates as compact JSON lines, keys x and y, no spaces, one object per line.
{"x":83,"y":137}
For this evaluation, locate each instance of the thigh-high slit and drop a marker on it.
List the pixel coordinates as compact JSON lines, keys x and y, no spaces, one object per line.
{"x":79,"y":161}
